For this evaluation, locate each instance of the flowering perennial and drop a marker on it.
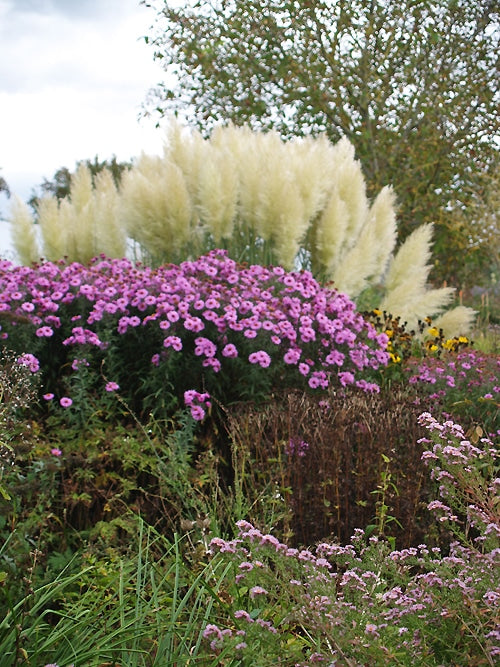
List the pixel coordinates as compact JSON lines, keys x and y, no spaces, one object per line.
{"x":366,"y":599}
{"x":463,"y":385}
{"x":211,"y":309}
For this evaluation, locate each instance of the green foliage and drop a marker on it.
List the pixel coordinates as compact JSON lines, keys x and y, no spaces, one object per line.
{"x":18,"y":389}
{"x":411,"y":84}
{"x":92,"y":503}
{"x":143,"y":607}
{"x":4,"y":187}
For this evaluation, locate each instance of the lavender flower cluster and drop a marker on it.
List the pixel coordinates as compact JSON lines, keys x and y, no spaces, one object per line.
{"x":366,"y":600}
{"x":287,"y":317}
{"x":463,"y":383}
{"x":468,"y":494}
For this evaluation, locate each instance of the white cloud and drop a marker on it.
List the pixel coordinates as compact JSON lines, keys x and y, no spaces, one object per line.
{"x":73,"y":76}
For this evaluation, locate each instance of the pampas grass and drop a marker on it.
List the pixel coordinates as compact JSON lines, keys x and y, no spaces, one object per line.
{"x":407,"y":293}
{"x":156,"y":208}
{"x":54,"y":234}
{"x":23,"y":232}
{"x":367,"y":259}
{"x":300,"y":203}
{"x":459,"y":319}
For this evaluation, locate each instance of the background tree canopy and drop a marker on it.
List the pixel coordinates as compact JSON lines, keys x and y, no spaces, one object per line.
{"x":3,"y":186}
{"x":60,"y":185}
{"x":412,"y":84}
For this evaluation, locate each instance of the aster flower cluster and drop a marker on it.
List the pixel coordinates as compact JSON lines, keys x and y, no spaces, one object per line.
{"x":465,"y":385}
{"x":211,"y":310}
{"x":366,"y":601}
{"x":468,"y":481}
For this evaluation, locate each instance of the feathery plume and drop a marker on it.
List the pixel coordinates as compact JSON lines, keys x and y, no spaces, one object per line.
{"x":54,"y":236}
{"x":456,"y":321}
{"x":23,"y":232}
{"x":109,"y":235}
{"x":366,"y":260}
{"x":330,"y":232}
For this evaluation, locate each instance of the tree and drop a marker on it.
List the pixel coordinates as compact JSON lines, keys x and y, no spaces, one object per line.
{"x":4,"y":187}
{"x":60,"y":185}
{"x":412,"y":85}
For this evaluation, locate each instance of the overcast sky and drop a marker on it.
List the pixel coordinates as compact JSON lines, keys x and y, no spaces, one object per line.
{"x":73,"y":76}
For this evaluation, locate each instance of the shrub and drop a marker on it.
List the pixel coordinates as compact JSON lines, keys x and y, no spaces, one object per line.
{"x":316,"y":467}
{"x":199,"y":327}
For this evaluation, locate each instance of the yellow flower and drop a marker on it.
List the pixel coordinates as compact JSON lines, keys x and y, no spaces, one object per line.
{"x":463,"y":339}
{"x":389,"y":333}
{"x":433,"y":332}
{"x":395,"y":358}
{"x":377,"y":312}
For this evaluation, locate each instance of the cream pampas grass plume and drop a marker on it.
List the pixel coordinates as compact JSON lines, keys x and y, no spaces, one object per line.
{"x":54,"y":233}
{"x":23,"y":232}
{"x":109,"y":235}
{"x":407,"y":294}
{"x":456,"y":321}
{"x":156,"y":208}
{"x":366,"y":260}
{"x":300,"y":203}
{"x":217,"y":193}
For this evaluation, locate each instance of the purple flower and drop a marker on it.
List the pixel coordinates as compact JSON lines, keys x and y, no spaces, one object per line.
{"x":304,"y":368}
{"x":44,"y":332}
{"x":371,"y":629}
{"x":262,"y":358}
{"x":229,"y":351}
{"x":173,"y":341}
{"x":242,"y":614}
{"x":112,"y":386}
{"x":346,"y":378}
{"x":292,"y":356}
{"x":66,"y":402}
{"x":257,"y":590}
{"x":197,"y":412}
{"x":55,"y":451}
{"x":30,"y":361}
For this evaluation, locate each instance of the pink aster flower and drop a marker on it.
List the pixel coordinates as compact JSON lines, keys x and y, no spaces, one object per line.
{"x":173,"y":341}
{"x":112,"y":386}
{"x":261,"y":357}
{"x":346,"y":378}
{"x":229,"y":351}
{"x":55,"y":451}
{"x":30,"y":361}
{"x":46,"y":332}
{"x":65,"y":402}
{"x":257,"y":590}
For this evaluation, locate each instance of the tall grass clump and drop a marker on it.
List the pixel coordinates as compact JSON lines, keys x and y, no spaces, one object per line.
{"x":324,"y":466}
{"x":143,"y":608}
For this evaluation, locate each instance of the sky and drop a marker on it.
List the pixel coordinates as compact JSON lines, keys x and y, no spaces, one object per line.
{"x":73,"y":77}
